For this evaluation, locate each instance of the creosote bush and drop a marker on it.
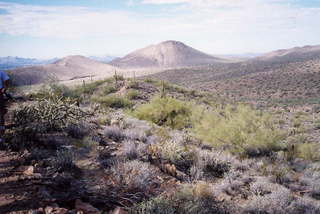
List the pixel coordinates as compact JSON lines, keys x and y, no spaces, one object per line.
{"x":165,"y":111}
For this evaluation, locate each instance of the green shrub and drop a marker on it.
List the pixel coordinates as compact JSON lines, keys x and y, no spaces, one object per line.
{"x":132,"y":94}
{"x":133,"y":84}
{"x":148,"y":80}
{"x":109,"y":89}
{"x":89,"y":88}
{"x":241,"y":129}
{"x":297,"y":123}
{"x":165,"y":111}
{"x":113,"y":101}
{"x":309,"y":151}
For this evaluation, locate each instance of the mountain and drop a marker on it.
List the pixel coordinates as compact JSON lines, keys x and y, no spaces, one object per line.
{"x":10,"y":62}
{"x":104,"y":59}
{"x":291,"y":55}
{"x":68,"y":68}
{"x":168,"y":54}
{"x":289,"y":77}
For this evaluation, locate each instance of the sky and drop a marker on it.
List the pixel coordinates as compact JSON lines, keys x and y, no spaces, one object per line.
{"x":58,"y":28}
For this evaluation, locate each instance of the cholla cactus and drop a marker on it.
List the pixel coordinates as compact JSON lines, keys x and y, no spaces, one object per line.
{"x":52,"y":113}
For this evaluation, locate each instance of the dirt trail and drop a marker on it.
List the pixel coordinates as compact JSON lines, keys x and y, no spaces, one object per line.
{"x":17,"y":190}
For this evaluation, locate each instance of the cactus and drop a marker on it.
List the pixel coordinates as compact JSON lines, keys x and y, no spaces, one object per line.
{"x":52,"y":113}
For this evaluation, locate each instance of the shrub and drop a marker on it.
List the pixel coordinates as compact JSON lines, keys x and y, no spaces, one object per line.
{"x":133,"y":174}
{"x":113,"y":101}
{"x":158,"y":205}
{"x":172,"y":151}
{"x":149,"y":80}
{"x":89,"y":88}
{"x":241,"y":129}
{"x":209,"y":164}
{"x":77,"y":131}
{"x":136,"y":134}
{"x":133,"y":84}
{"x":303,"y":205}
{"x":192,"y":199}
{"x":109,"y":89}
{"x":165,"y":111}
{"x":129,"y":150}
{"x":114,"y":133}
{"x":274,"y":202}
{"x":297,"y":123}
{"x":64,"y":160}
{"x":132,"y":94}
{"x":309,"y":151}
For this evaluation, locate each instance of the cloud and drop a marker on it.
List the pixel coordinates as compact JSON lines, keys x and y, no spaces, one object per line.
{"x":212,"y":25}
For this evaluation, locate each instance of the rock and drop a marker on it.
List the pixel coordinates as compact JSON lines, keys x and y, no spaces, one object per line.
{"x":114,"y":122}
{"x":48,"y":210}
{"x":29,"y":170}
{"x":61,"y":211}
{"x":118,"y":210}
{"x":86,"y":208}
{"x":38,"y":211}
{"x":26,"y":170}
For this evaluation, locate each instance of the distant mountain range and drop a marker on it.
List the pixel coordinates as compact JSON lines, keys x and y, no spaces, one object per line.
{"x":11,"y":62}
{"x":105,"y":59}
{"x":274,"y":74}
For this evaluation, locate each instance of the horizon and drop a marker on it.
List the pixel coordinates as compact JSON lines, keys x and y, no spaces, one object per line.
{"x":48,"y":29}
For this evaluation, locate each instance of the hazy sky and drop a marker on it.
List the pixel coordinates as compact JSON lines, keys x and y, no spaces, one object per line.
{"x":56,"y":28}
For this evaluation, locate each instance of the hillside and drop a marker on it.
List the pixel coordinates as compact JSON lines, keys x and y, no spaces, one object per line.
{"x":68,"y":68}
{"x":168,"y":54}
{"x":296,"y":54}
{"x":145,"y":147}
{"x":287,"y":77}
